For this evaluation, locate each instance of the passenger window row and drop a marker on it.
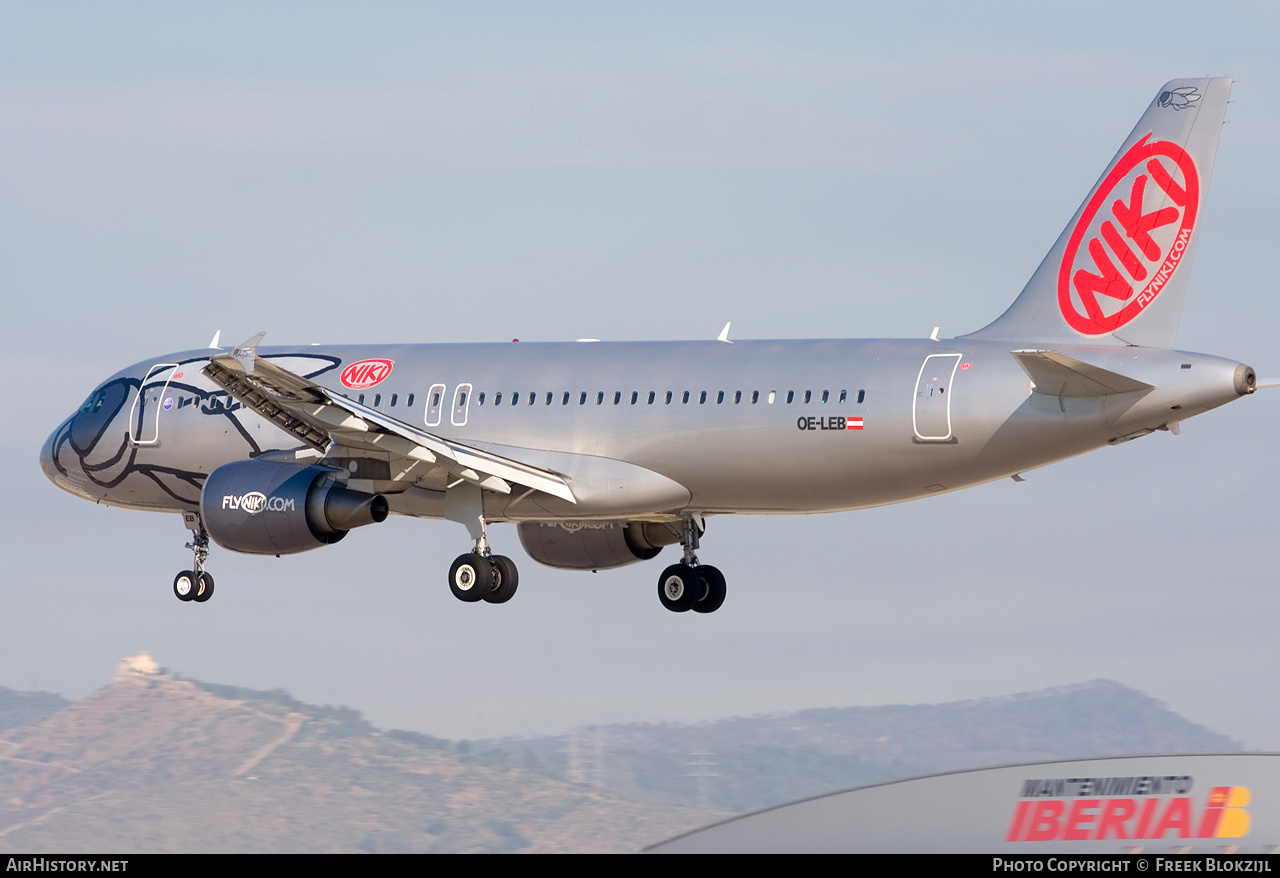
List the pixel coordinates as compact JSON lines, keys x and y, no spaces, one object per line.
{"x":720,"y":397}
{"x":701,"y":397}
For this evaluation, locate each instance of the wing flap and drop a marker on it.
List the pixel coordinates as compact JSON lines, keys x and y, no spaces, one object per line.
{"x":320,"y":417}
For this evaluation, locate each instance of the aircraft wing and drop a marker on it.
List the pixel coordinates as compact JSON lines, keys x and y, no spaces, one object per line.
{"x":321,"y":418}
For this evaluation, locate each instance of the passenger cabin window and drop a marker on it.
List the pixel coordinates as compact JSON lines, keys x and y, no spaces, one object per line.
{"x":635,"y":395}
{"x":719,"y":397}
{"x":479,"y":399}
{"x":600,"y":398}
{"x":497,"y":398}
{"x":791,"y":395}
{"x":377,"y":400}
{"x":685,"y":401}
{"x":565,"y":401}
{"x":409,"y":402}
{"x":755,"y":397}
{"x":652,"y":397}
{"x":668,"y":397}
{"x":737,"y":397}
{"x":582,"y":400}
{"x":862,"y":394}
{"x":361,"y":399}
{"x":702,"y":398}
{"x":844,"y":394}
{"x":394,"y":396}
{"x":548,"y":397}
{"x":773,"y":394}
{"x":825,"y":394}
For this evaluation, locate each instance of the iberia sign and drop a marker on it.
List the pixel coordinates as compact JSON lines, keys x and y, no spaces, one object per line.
{"x":1099,"y":809}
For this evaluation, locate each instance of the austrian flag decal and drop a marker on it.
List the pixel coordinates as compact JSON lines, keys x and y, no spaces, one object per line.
{"x":1130,"y":239}
{"x":366,"y":373}
{"x":853,"y":423}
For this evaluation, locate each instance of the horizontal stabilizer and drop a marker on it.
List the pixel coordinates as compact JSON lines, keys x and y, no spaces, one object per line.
{"x":1056,"y":374}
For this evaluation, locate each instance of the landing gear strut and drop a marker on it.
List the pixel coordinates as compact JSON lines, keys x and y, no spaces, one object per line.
{"x":195,"y":585}
{"x":690,"y":585}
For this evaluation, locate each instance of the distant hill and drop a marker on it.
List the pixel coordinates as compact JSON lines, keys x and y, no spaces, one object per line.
{"x":157,"y":763}
{"x":745,"y":763}
{"x":23,"y":708}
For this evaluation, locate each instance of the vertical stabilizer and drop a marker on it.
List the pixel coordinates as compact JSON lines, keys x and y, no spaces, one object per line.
{"x":1118,"y":272}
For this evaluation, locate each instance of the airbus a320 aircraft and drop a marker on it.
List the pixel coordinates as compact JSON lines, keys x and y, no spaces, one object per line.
{"x":604,"y":453}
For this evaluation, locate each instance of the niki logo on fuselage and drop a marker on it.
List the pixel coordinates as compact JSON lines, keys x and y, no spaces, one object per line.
{"x":366,"y":373}
{"x":255,"y":502}
{"x":1146,"y":232}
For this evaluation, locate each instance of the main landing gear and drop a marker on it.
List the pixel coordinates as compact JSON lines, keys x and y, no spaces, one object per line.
{"x":195,"y":585}
{"x":690,"y":585}
{"x":482,"y":576}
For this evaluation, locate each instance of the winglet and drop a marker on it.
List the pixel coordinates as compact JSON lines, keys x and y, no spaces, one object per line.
{"x":213,"y":343}
{"x":724,"y":333}
{"x":246,"y":351}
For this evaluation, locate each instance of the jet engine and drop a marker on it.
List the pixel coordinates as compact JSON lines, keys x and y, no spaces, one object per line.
{"x":592,"y":545}
{"x":266,"y":508}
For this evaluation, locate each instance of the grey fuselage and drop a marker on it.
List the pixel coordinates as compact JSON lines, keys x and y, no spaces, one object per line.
{"x":769,"y":427}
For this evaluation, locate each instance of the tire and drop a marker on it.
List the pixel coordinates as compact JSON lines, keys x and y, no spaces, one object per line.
{"x":471,"y":577}
{"x":204,"y":589}
{"x":715,"y":593}
{"x":505,"y":580}
{"x":185,"y":586}
{"x":680,"y":587}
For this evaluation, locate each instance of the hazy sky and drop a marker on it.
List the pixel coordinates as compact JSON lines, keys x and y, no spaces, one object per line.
{"x":413,"y":172}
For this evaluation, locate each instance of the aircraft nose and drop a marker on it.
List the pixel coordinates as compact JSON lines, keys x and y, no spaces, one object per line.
{"x":48,"y":463}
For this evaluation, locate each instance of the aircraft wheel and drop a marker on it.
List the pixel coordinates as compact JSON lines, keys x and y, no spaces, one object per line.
{"x":184,"y":585}
{"x":505,"y":580}
{"x":715,"y":593}
{"x":471,"y":577}
{"x":204,"y":590}
{"x":680,"y":587}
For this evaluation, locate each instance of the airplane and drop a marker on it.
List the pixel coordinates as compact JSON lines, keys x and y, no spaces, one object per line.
{"x":605,"y":453}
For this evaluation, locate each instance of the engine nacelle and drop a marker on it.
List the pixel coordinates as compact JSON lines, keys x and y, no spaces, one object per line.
{"x":265,"y":508}
{"x":594,"y":545}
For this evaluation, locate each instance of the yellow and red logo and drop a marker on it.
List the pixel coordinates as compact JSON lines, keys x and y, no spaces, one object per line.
{"x":1147,"y":817}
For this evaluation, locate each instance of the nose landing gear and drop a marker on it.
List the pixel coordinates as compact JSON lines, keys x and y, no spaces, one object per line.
{"x":690,"y":585}
{"x":195,"y":585}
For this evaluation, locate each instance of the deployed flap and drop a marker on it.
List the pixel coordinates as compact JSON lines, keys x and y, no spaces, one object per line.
{"x":319,"y":417}
{"x":1118,"y":272}
{"x":1056,"y":374}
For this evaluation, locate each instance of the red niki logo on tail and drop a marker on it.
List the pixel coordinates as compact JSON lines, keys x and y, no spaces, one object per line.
{"x":366,"y":373}
{"x":1130,"y":255}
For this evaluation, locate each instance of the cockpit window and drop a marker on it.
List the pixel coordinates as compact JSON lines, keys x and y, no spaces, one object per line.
{"x":94,"y":403}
